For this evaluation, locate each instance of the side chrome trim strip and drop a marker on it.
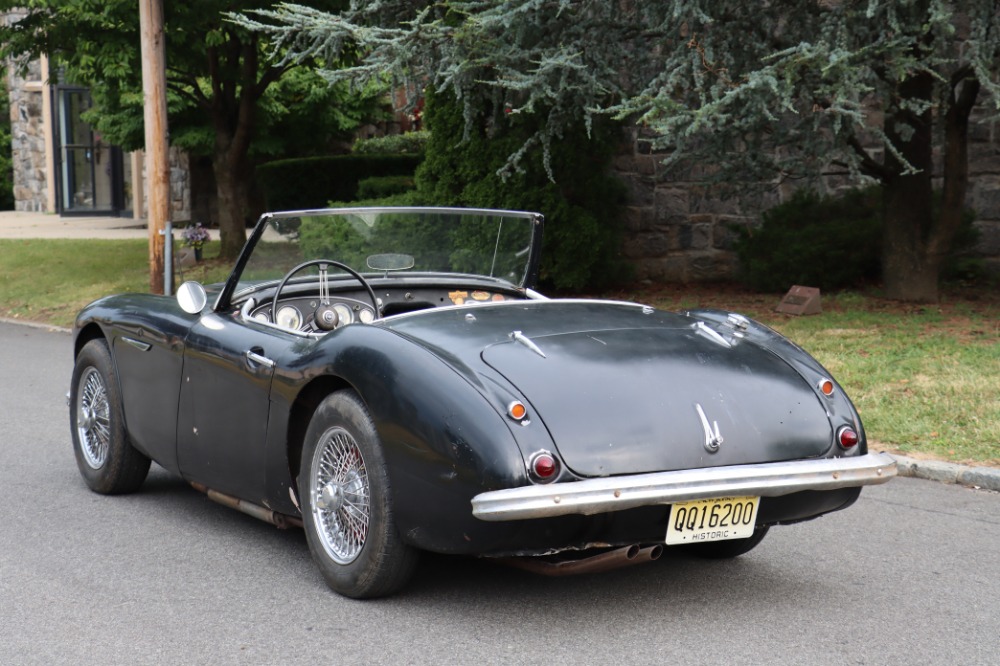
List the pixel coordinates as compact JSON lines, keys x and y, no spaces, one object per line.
{"x":608,"y":494}
{"x":138,"y":344}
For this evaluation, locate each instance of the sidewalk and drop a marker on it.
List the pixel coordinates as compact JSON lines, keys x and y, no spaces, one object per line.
{"x":20,"y":224}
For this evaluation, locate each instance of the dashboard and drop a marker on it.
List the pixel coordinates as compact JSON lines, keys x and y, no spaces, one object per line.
{"x":310,"y":314}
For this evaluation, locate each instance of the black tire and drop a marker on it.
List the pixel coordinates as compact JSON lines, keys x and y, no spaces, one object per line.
{"x":343,"y":473}
{"x":107,"y":460}
{"x":723,"y":550}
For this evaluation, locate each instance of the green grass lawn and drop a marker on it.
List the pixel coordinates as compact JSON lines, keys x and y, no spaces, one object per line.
{"x":48,"y":281}
{"x":926,"y":379}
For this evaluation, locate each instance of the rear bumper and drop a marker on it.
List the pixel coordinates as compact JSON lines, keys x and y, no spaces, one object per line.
{"x":604,"y":495}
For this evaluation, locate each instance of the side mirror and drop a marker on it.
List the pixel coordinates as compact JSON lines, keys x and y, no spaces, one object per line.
{"x":191,"y":297}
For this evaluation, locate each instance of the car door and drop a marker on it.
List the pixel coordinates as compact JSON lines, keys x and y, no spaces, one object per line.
{"x":223,"y":412}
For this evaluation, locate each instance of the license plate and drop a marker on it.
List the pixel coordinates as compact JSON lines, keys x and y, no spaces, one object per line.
{"x":715,"y":519}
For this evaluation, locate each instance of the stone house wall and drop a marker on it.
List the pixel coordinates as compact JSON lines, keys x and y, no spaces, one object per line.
{"x":32,"y":141}
{"x":28,"y":139}
{"x":678,"y":230}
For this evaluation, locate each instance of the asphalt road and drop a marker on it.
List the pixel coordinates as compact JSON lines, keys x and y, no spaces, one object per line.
{"x":909,"y":575}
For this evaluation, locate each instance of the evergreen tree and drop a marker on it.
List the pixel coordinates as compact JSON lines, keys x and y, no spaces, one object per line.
{"x":762,"y":92}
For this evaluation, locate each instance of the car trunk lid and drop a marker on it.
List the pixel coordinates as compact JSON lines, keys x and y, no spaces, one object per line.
{"x":635,"y":400}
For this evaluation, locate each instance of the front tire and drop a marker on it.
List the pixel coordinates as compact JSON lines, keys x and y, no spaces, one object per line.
{"x":347,"y":502}
{"x":107,"y":460}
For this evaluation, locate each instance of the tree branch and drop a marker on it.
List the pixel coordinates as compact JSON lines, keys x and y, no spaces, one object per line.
{"x":869,"y":165}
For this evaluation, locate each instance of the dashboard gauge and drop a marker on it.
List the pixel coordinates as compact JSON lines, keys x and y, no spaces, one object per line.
{"x":262,"y":317}
{"x":366,"y":316}
{"x":288,"y":317}
{"x":344,"y":314}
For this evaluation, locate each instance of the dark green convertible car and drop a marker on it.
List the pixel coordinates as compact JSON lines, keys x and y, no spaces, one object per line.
{"x":389,"y":380}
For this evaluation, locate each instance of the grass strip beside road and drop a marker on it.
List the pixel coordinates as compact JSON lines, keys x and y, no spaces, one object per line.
{"x":926,"y":379}
{"x":49,"y":280}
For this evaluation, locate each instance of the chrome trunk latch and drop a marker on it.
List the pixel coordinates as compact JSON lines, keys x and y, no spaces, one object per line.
{"x":713,"y":439}
{"x":521,"y":338}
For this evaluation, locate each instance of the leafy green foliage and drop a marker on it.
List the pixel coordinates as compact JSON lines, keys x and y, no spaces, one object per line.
{"x":830,"y":242}
{"x":312,"y":182}
{"x":758,"y":92}
{"x":581,"y":207}
{"x":394,"y":144}
{"x":825,"y":242}
{"x":377,"y":187}
{"x":719,"y":78}
{"x":226,"y":98}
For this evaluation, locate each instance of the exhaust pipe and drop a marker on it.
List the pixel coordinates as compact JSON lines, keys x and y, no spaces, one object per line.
{"x":279,"y":520}
{"x":613,"y":559}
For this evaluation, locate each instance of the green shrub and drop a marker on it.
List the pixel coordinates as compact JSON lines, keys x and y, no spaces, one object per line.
{"x":410,"y":143}
{"x":581,"y":208}
{"x":312,"y":182}
{"x":826,"y":242}
{"x":377,"y":187}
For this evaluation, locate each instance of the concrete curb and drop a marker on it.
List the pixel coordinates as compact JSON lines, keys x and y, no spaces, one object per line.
{"x":987,"y":478}
{"x":31,"y":324}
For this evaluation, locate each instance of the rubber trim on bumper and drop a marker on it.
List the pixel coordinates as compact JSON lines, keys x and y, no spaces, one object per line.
{"x":618,"y":493}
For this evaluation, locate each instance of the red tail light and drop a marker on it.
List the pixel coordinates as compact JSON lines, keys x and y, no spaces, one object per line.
{"x":847,"y":437}
{"x":544,"y":466}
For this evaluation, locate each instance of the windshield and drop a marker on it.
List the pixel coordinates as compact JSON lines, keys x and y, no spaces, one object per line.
{"x":386,"y":241}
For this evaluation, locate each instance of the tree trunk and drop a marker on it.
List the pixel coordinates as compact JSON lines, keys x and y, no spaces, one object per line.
{"x":231,"y":176}
{"x":917,"y":241}
{"x":233,"y":110}
{"x":965,"y":89}
{"x":908,"y":272}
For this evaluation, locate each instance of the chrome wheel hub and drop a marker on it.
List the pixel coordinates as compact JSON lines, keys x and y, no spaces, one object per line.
{"x":341,"y":495}
{"x":93,"y":418}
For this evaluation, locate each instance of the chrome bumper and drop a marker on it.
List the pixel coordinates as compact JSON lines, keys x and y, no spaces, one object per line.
{"x":617,"y":493}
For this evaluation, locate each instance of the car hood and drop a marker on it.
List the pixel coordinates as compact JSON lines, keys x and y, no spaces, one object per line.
{"x":626,"y":390}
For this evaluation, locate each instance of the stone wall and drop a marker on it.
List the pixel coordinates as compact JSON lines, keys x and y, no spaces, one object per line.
{"x":679,"y":230}
{"x":30,"y":140}
{"x":27,"y":142}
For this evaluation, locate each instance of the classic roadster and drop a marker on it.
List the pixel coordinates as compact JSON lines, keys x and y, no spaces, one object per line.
{"x":389,"y":380}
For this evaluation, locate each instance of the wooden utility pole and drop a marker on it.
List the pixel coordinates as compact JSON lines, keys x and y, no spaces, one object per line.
{"x":154,"y":94}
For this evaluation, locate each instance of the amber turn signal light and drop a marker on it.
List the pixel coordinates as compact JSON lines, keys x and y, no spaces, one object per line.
{"x":517,"y":411}
{"x":825,"y":387}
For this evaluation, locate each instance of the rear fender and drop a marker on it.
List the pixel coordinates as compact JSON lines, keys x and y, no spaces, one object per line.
{"x":444,"y":442}
{"x":840,"y":409}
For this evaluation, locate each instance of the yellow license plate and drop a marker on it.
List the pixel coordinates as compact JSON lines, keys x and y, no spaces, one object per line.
{"x":715,"y":519}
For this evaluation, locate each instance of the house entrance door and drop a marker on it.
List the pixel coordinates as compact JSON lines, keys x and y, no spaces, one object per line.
{"x":93,"y":179}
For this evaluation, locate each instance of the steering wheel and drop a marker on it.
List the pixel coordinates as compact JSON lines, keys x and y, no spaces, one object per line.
{"x":326,"y":316}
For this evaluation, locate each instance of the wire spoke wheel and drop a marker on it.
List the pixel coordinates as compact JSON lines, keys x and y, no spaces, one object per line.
{"x":341,"y":496}
{"x":347,"y":502}
{"x":93,"y":418}
{"x":104,"y":453}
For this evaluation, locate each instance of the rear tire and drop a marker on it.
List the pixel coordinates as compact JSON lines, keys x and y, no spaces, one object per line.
{"x":347,"y":502}
{"x":722,"y":550}
{"x":107,"y":460}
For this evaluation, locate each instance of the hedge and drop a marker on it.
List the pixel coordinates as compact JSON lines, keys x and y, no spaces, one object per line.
{"x":313,"y":182}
